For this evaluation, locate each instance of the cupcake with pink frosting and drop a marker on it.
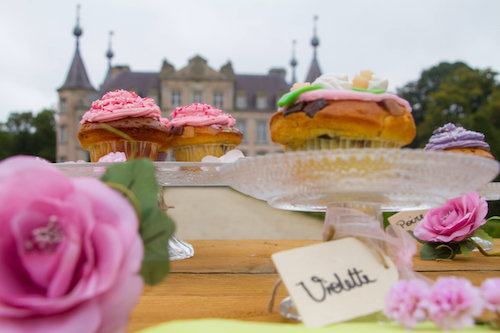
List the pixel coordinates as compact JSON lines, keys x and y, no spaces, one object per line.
{"x":199,"y":130}
{"x":134,"y":121}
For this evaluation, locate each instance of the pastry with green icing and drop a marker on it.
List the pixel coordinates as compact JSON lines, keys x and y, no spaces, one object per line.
{"x":334,"y":112}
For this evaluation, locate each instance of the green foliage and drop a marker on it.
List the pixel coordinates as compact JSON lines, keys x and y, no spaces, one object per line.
{"x":439,"y":251}
{"x":456,"y":93}
{"x":417,"y":92}
{"x":25,"y":134}
{"x":44,"y":137}
{"x":481,"y":233}
{"x":466,"y":246}
{"x":137,"y":177}
{"x":492,"y":227}
{"x":448,"y":251}
{"x":453,"y":93}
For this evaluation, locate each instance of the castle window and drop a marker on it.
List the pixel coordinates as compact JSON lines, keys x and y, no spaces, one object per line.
{"x":63,"y":106}
{"x":175,"y":99}
{"x":218,"y":100}
{"x":63,"y":134}
{"x":241,"y":125}
{"x":197,"y":96}
{"x":261,"y":102}
{"x":261,"y":136}
{"x":241,"y":100}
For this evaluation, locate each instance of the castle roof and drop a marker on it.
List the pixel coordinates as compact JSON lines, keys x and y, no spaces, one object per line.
{"x":314,"y":71}
{"x":274,"y":85}
{"x":140,"y":82}
{"x":77,"y":77}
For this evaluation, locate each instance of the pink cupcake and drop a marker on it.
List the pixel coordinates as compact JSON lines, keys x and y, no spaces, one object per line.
{"x":136,"y":117}
{"x":199,"y":130}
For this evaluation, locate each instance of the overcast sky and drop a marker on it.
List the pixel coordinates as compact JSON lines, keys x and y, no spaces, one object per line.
{"x":397,"y":39}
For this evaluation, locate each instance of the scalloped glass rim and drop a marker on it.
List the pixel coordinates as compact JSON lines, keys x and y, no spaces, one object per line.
{"x":397,"y":179}
{"x":167,"y":173}
{"x":490,"y":191}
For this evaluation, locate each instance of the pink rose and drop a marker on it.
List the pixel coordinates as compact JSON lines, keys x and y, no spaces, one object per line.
{"x":70,"y":252}
{"x":404,"y":302}
{"x":490,"y":290}
{"x":454,"y":303}
{"x":453,"y":222}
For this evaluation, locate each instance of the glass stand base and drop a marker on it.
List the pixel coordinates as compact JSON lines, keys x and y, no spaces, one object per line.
{"x":288,"y":310}
{"x":178,"y":249}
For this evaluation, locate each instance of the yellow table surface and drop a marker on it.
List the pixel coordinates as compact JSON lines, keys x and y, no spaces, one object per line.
{"x":233,"y":279}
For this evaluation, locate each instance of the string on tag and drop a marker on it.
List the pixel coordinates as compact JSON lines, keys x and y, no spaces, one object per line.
{"x":330,"y":235}
{"x":270,"y":305}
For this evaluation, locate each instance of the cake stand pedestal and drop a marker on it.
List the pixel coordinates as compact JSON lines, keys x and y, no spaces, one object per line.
{"x":354,"y":186}
{"x":167,"y":174}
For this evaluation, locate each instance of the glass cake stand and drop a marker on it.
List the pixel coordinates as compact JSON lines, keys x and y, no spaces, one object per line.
{"x":347,"y":182}
{"x":167,"y":174}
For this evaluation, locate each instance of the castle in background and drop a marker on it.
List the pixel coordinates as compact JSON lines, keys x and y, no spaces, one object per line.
{"x":250,"y":99}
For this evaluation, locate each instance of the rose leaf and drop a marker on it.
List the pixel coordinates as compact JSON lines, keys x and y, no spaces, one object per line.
{"x":156,"y":229}
{"x":481,"y":233}
{"x":466,"y":246}
{"x":438,"y":251}
{"x":139,"y":177}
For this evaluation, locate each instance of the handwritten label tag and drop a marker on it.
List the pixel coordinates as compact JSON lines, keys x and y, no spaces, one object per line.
{"x":335,"y":281}
{"x":408,"y":220}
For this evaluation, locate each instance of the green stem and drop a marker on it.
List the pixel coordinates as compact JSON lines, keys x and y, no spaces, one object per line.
{"x":123,"y":135}
{"x":130,"y":196}
{"x":449,"y":248}
{"x":484,"y":253}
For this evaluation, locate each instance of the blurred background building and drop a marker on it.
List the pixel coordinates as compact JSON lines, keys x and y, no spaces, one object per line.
{"x":250,"y":98}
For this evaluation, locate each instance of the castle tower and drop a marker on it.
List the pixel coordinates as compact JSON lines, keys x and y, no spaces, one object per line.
{"x":109,"y":53}
{"x":314,"y":70}
{"x":75,"y":97}
{"x":293,"y":63}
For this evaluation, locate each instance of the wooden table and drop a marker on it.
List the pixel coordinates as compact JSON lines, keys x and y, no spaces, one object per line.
{"x":234,"y":278}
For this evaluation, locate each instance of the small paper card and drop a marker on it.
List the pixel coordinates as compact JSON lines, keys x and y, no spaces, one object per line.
{"x":408,"y":220}
{"x":335,"y":281}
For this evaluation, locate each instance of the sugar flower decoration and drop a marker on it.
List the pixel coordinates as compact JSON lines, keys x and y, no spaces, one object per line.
{"x":405,"y":302}
{"x":114,"y":157}
{"x":490,"y":290}
{"x":454,"y":303}
{"x":229,"y":157}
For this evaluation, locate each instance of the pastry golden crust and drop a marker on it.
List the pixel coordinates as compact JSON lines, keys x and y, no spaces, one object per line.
{"x":147,"y":132}
{"x":191,"y":135}
{"x":472,"y":151}
{"x":140,"y":129}
{"x":347,"y":119}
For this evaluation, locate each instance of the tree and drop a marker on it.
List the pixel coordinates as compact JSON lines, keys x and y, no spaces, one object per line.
{"x":461,"y":95}
{"x":25,"y":134}
{"x":417,"y":92}
{"x":21,"y":128}
{"x":44,"y":138}
{"x":448,"y":93}
{"x":7,"y":142}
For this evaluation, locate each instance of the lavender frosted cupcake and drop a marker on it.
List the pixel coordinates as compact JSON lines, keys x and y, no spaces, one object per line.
{"x":457,"y":139}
